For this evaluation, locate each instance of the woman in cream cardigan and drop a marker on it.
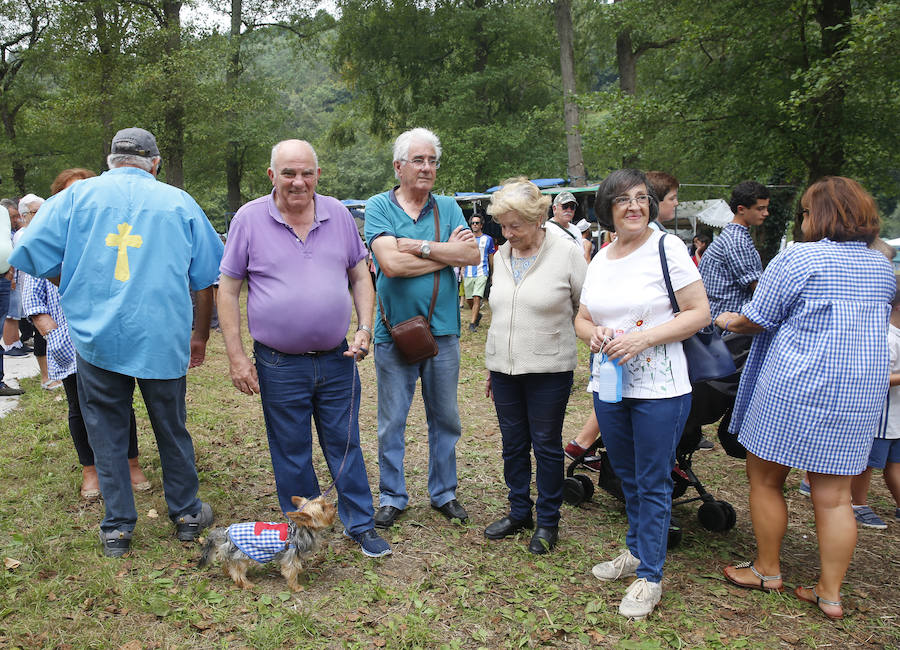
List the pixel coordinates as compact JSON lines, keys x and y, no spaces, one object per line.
{"x":531,"y":353}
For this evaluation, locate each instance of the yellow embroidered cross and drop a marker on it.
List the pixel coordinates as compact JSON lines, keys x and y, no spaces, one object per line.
{"x":122,"y":241}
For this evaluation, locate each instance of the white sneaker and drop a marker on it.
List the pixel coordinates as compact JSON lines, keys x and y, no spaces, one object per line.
{"x":640,"y":598}
{"x":624,"y":565}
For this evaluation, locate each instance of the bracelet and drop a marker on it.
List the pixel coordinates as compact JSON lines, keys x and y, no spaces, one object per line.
{"x":365,"y":328}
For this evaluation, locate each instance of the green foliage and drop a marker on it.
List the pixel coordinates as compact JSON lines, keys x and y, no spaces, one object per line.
{"x":481,"y":74}
{"x":741,"y":93}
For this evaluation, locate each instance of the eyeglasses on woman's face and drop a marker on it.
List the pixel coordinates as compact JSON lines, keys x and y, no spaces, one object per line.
{"x":625,"y":201}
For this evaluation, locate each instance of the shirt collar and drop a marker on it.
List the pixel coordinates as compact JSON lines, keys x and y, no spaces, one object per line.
{"x":275,"y":213}
{"x":392,"y":195}
{"x":129,"y":170}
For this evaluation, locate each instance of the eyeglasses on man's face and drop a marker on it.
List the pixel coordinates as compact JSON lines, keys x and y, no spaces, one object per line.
{"x":420,"y":162}
{"x":640,"y":199}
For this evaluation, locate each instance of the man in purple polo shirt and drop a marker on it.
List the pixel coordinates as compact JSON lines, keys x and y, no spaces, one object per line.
{"x":298,"y":251}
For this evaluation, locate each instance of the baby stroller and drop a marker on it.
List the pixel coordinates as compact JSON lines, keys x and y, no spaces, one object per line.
{"x":712,"y":401}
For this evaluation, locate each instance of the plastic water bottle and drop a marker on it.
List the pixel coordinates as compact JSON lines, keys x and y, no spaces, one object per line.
{"x":607,"y":379}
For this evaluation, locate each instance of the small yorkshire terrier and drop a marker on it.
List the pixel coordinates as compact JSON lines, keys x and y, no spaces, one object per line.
{"x":286,"y":543}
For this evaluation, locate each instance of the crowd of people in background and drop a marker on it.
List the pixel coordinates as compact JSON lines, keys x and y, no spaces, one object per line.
{"x":819,"y":328}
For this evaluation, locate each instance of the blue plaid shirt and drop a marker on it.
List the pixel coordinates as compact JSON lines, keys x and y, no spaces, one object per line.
{"x":40,"y":296}
{"x":728,"y":268}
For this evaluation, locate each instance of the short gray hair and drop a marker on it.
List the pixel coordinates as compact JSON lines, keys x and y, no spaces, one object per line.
{"x":114,"y":160}
{"x":278,"y":146}
{"x":405,"y":139}
{"x":29,"y":200}
{"x":9,"y":203}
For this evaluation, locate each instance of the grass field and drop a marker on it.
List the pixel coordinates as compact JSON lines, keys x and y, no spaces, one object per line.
{"x":444,"y":586}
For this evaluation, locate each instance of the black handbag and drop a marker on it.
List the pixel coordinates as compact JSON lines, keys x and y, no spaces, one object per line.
{"x":706,"y":353}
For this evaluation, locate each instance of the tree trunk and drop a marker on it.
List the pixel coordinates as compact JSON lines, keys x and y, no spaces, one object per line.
{"x":108,"y":47}
{"x":172,"y":146}
{"x":232,"y":74}
{"x":575,"y":171}
{"x":626,"y":60}
{"x":828,"y":156}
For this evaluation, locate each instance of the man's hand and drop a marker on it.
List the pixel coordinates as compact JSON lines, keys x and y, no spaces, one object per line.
{"x":461,"y":234}
{"x":407,"y":245}
{"x":198,"y":352}
{"x":43,"y":323}
{"x":243,"y":375}
{"x":360,"y":346}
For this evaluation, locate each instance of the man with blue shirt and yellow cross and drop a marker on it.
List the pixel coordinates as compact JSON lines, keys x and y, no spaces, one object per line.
{"x":126,"y":250}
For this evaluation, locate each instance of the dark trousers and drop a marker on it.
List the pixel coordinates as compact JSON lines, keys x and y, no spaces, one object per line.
{"x":4,"y":306}
{"x":530,"y":411}
{"x":78,"y":430}
{"x":106,"y":399}
{"x":295,"y":390}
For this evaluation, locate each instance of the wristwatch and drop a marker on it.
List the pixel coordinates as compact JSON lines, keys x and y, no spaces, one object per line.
{"x":365,"y":328}
{"x":425,"y":249}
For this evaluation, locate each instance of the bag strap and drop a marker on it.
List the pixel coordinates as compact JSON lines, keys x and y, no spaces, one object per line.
{"x":574,"y":239}
{"x":437,"y":277}
{"x":665,"y":269}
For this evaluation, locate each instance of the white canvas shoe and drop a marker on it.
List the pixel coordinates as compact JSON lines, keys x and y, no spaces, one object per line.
{"x":640,"y":598}
{"x":624,"y":565}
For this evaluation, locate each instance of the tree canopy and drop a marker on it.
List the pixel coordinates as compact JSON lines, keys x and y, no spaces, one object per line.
{"x":781,"y":91}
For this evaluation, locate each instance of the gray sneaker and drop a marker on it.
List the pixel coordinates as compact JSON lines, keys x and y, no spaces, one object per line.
{"x":116,"y":543}
{"x":640,"y":599}
{"x":624,"y":565}
{"x":189,"y":527}
{"x":866,"y":518}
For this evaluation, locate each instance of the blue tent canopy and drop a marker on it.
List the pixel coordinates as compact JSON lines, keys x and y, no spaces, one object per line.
{"x":540,"y":182}
{"x":353,"y":203}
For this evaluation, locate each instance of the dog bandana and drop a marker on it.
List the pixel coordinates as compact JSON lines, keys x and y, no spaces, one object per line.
{"x":260,"y":540}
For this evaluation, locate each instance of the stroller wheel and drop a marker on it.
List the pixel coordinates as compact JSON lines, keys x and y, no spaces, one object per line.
{"x":732,"y":515}
{"x":573,"y":490}
{"x":716,"y":516}
{"x":587,"y":484}
{"x":675,"y":535}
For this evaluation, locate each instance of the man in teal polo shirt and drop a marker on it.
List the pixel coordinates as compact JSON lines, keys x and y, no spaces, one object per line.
{"x":408,"y":252}
{"x":127,"y":249}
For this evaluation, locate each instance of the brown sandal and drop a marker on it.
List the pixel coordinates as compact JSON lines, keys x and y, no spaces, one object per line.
{"x":762,"y":579}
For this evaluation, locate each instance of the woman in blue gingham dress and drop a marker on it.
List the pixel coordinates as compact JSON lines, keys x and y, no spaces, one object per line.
{"x":815,"y":381}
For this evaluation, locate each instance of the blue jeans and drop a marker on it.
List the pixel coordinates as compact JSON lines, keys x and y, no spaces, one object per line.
{"x":641,"y":436}
{"x":295,"y":387}
{"x":4,"y":306}
{"x":106,"y":399}
{"x":530,"y":410}
{"x":396,"y":386}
